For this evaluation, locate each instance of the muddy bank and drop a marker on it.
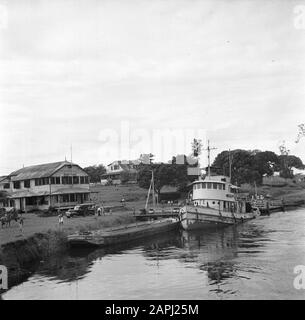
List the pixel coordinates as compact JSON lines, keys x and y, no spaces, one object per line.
{"x":22,"y":257}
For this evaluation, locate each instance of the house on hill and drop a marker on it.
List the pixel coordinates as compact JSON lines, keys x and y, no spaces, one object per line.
{"x":116,"y":171}
{"x":56,"y":184}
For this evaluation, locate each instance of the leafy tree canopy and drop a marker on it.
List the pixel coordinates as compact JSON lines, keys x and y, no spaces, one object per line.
{"x":164,"y":174}
{"x":95,"y":172}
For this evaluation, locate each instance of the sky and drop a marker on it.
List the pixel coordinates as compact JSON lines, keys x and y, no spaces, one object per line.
{"x":114,"y":79}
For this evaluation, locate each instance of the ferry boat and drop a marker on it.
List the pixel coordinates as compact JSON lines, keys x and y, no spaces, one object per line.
{"x":215,"y":202}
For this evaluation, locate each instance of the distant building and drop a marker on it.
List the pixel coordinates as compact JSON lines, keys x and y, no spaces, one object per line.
{"x":57,"y":184}
{"x":169,"y":193}
{"x":116,"y":170}
{"x":299,"y":174}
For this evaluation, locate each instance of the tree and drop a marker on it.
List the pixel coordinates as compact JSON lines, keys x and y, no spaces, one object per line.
{"x":301,"y":133}
{"x":265,"y":162}
{"x":164,"y":174}
{"x":247,"y":166}
{"x":95,"y":172}
{"x":196,"y":147}
{"x":125,"y":177}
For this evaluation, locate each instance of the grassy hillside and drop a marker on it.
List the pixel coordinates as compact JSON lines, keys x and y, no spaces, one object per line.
{"x":112,"y":195}
{"x":288,"y":192}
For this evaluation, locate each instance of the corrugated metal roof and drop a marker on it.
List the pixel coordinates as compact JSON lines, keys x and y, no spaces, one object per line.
{"x":70,"y":190}
{"x":37,"y":171}
{"x":2,"y":178}
{"x":169,"y":189}
{"x":27,"y":194}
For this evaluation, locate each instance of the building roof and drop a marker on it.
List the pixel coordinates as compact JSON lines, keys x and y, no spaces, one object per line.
{"x":70,"y":190}
{"x":2,"y":178}
{"x":126,"y":163}
{"x":38,"y":171}
{"x":169,"y":189}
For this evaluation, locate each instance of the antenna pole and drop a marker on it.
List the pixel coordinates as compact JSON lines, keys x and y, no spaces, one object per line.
{"x":209,"y":155}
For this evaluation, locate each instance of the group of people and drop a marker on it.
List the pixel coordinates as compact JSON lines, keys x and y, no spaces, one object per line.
{"x":98,"y":211}
{"x":7,"y":217}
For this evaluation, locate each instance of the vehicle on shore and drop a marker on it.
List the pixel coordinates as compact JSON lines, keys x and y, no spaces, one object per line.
{"x":84,"y":209}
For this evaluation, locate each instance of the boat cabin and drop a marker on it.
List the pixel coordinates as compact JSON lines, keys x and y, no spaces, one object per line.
{"x":217,"y":192}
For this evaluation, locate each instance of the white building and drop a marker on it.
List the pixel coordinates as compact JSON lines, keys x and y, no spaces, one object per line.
{"x":38,"y":187}
{"x":116,"y":169}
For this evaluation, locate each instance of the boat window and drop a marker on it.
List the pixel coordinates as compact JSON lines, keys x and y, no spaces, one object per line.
{"x":209,"y":185}
{"x":204,"y":185}
{"x":219,"y":186}
{"x":214,"y":185}
{"x":224,"y":187}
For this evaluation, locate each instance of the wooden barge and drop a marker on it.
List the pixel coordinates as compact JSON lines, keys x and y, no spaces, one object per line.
{"x":122,"y":234}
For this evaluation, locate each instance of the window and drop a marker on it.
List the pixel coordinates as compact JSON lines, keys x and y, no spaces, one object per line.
{"x":204,"y":185}
{"x":209,"y":184}
{"x":65,"y":197}
{"x":6,"y":186}
{"x":214,"y":185}
{"x":27,"y":183}
{"x":86,"y":180}
{"x":72,"y":197}
{"x":57,"y":180}
{"x":64,"y":180}
{"x":52,"y":180}
{"x":76,"y":180}
{"x":16,"y":184}
{"x":69,"y":180}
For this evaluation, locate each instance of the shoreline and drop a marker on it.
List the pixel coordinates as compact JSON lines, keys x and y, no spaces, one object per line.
{"x":43,"y":238}
{"x":21,"y":256}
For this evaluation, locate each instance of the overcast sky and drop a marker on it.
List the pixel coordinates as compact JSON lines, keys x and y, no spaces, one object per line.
{"x":72,"y":71}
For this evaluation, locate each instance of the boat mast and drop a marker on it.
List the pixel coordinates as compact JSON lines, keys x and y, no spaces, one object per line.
{"x":209,"y":155}
{"x":151,"y":186}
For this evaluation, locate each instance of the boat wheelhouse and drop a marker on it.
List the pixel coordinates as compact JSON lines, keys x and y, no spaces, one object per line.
{"x":217,"y":192}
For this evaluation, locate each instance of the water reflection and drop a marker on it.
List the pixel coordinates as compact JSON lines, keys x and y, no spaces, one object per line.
{"x":234,"y":262}
{"x":212,"y":251}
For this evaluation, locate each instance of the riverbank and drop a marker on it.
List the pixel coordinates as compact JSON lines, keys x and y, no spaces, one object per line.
{"x":288,"y":193}
{"x":42,"y":238}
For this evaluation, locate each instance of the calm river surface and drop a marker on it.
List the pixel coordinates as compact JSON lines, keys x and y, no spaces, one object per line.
{"x":251,"y":261}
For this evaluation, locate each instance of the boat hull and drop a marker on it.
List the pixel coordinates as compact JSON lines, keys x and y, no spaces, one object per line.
{"x":102,"y":238}
{"x":194,"y":218}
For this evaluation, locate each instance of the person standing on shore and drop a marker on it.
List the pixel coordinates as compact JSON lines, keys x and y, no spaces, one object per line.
{"x":21,"y":224}
{"x":60,"y":218}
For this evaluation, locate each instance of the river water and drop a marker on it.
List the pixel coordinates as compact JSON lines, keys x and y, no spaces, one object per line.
{"x":255,"y":260}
